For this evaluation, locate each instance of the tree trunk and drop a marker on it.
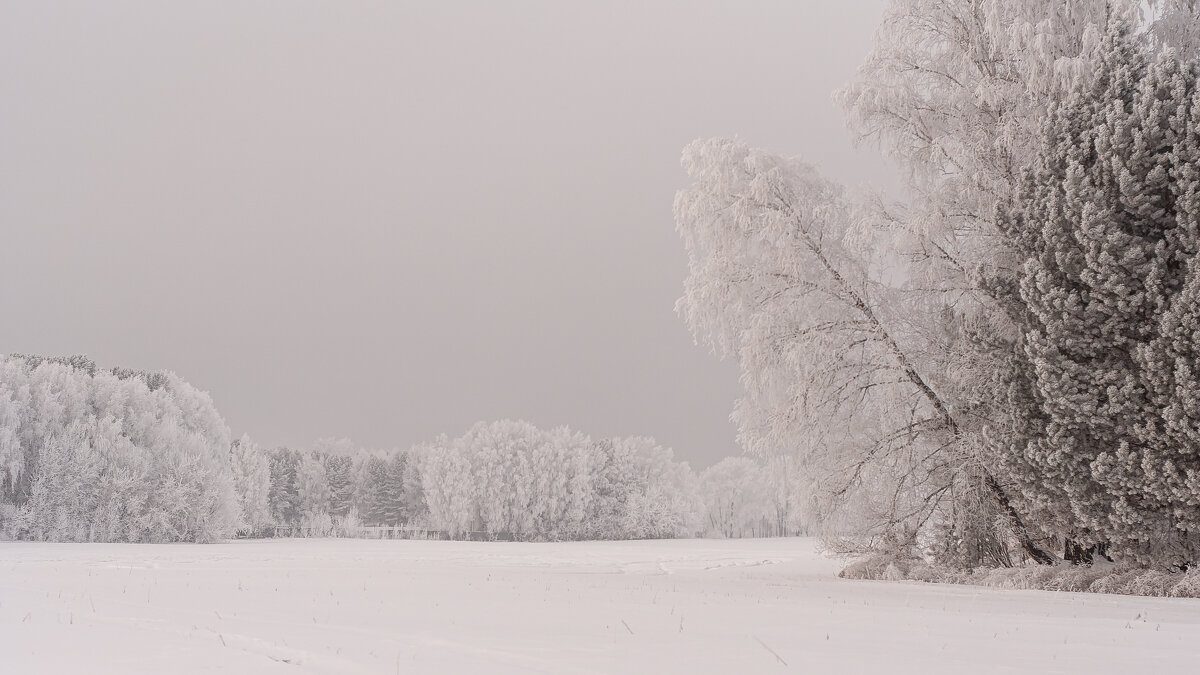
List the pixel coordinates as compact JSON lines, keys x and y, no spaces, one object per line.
{"x":1039,"y":555}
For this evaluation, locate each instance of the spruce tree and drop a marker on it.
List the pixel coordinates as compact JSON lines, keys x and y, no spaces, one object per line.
{"x":393,"y":507}
{"x":341,"y":485}
{"x":1107,"y":228}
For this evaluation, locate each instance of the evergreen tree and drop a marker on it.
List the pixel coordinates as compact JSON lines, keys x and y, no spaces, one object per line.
{"x":382,"y":502}
{"x":313,"y":488}
{"x":394,"y":508}
{"x":285,"y":487}
{"x":338,"y":474}
{"x":1108,"y":250}
{"x":371,"y":501}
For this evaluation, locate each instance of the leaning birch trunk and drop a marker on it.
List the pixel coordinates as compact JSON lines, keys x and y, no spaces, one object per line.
{"x":777,"y":281}
{"x":1038,"y":554}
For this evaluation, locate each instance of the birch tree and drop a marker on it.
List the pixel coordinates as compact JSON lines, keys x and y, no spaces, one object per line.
{"x":734,"y":499}
{"x":111,"y":455}
{"x":252,"y":481}
{"x":775,"y":281}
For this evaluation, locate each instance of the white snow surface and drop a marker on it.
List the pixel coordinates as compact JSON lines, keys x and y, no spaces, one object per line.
{"x":676,"y":606}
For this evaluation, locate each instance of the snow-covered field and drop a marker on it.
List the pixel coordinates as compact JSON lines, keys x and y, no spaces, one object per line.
{"x":684,"y":606}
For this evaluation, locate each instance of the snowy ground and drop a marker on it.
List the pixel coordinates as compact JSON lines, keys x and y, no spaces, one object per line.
{"x":345,"y":606}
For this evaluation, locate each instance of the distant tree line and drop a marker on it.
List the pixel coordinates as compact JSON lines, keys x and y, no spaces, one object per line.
{"x":510,"y":480}
{"x":88,"y":454}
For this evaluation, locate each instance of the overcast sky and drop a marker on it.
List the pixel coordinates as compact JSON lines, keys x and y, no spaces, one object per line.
{"x":389,"y":220}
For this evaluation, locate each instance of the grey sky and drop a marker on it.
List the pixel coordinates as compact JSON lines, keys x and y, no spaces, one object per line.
{"x":389,"y":220}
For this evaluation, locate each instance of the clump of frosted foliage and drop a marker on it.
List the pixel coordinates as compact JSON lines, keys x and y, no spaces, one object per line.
{"x":510,"y":479}
{"x":110,"y":455}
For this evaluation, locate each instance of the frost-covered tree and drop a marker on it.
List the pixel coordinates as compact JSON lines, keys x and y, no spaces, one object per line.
{"x":448,"y":486}
{"x":377,"y":493}
{"x":665,"y":502}
{"x":122,"y":493}
{"x":1175,"y":24}
{"x":795,"y":508}
{"x":1107,"y":220}
{"x":112,"y":455}
{"x":511,"y":479}
{"x":519,"y":480}
{"x":500,"y":454}
{"x":284,"y":496}
{"x":405,"y":473}
{"x":312,"y":487}
{"x":954,"y":91}
{"x":613,"y":482}
{"x":338,"y":470}
{"x":252,"y":481}
{"x":15,"y":399}
{"x":556,"y":484}
{"x":957,"y":92}
{"x":64,"y":492}
{"x":778,"y":278}
{"x":735,"y":502}
{"x":337,"y":455}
